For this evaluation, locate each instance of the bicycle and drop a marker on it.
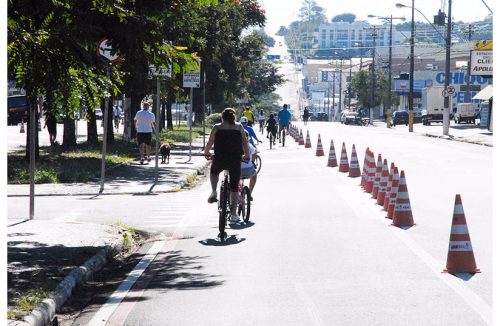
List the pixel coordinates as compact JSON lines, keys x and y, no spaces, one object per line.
{"x":244,"y":201}
{"x":261,"y":126}
{"x":272,"y":139}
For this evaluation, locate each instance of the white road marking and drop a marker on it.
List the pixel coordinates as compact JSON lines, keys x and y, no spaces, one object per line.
{"x":102,"y":316}
{"x":309,"y":304}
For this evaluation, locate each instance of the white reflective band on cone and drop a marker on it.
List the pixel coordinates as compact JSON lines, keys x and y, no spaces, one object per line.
{"x":459,"y":209}
{"x":459,"y":229}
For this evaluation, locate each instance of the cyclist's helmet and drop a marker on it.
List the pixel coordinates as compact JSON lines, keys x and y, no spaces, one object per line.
{"x":271,"y":115}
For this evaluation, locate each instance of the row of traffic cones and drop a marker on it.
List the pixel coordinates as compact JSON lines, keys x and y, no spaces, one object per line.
{"x":388,"y":187}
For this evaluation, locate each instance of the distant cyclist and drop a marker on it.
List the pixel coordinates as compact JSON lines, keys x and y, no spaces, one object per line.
{"x":284,"y":117}
{"x":249,"y":115}
{"x":271,"y":127}
{"x":251,"y":132}
{"x":262,"y":120}
{"x":305,"y":116}
{"x":229,"y":142}
{"x":248,"y":169}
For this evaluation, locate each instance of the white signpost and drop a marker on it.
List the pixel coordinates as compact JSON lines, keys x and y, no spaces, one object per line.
{"x":158,"y":72}
{"x":104,"y":50}
{"x":191,"y":80}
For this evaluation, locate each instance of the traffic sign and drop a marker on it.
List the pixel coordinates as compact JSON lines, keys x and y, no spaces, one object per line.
{"x":445,"y":93}
{"x":105,"y":50}
{"x":160,"y":71}
{"x":451,"y":90}
{"x":191,"y":79}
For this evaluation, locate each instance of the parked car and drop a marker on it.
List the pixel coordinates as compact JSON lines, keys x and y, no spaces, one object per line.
{"x":348,"y":117}
{"x":17,"y":109}
{"x":98,"y":114}
{"x":319,"y":116}
{"x":399,"y":118}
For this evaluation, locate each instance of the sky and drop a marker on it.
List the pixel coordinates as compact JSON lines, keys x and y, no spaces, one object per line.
{"x":283,"y":12}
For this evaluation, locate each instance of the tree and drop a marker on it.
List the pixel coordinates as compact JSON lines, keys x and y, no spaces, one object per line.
{"x":362,"y":87}
{"x":348,"y":18}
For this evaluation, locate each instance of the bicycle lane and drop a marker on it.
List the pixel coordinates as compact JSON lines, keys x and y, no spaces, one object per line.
{"x":313,"y":254}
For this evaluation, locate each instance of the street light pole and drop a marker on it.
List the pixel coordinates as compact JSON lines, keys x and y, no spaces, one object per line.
{"x":412,"y":67}
{"x":447,"y":104}
{"x":388,"y":110}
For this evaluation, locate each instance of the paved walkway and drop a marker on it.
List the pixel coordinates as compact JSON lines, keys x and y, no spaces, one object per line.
{"x":45,"y":247}
{"x":462,"y":132}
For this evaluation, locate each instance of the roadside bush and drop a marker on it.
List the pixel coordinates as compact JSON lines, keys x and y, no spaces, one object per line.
{"x":213,"y":119}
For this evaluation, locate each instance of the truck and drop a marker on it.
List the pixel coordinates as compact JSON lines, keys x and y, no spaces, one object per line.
{"x":433,"y":105}
{"x":17,"y":109}
{"x":465,"y":112}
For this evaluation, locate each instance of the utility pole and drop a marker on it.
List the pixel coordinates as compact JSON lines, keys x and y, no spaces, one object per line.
{"x":372,"y":98}
{"x":388,"y":109}
{"x":350,"y":82}
{"x":340,"y":86}
{"x":412,"y":68}
{"x":447,"y":104}
{"x":467,"y":80}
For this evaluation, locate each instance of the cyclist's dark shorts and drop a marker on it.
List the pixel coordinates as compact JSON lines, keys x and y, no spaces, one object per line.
{"x":144,"y":137}
{"x":273,"y":130}
{"x":233,"y":164}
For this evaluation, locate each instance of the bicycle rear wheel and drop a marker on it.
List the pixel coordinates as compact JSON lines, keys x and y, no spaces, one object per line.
{"x":283,"y":137}
{"x":223,"y":209}
{"x":257,"y":163}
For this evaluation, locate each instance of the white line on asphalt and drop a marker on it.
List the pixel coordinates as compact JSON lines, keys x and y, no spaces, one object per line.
{"x":102,"y":316}
{"x":310,"y":306}
{"x":483,"y":309}
{"x":471,"y":298}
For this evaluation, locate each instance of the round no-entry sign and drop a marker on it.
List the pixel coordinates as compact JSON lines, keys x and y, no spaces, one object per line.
{"x":105,"y":50}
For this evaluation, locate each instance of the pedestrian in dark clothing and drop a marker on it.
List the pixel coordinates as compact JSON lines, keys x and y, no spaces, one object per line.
{"x":51,"y":124}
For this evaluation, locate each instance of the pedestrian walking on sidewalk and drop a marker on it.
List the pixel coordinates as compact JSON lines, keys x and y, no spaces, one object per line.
{"x":51,"y":124}
{"x":144,"y":124}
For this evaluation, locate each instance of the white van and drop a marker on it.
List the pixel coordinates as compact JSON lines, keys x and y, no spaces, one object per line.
{"x":465,"y":112}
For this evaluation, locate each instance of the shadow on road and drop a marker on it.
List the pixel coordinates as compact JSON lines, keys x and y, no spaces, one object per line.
{"x":231,"y":240}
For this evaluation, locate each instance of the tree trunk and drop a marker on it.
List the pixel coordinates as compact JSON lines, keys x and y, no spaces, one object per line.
{"x":135,"y":105}
{"x":91,"y":127}
{"x":69,"y":135}
{"x":162,"y":116}
{"x":170,"y":125}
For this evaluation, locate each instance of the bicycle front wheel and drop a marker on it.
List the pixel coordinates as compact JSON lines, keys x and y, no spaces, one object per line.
{"x":283,"y":137}
{"x":247,"y":203}
{"x":257,"y":163}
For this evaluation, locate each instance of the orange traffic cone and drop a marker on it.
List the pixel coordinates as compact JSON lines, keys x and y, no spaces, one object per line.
{"x":344,"y":162}
{"x":394,"y":193}
{"x":354,"y":167}
{"x":389,"y":187}
{"x":460,"y":254}
{"x":22,"y":127}
{"x":402,"y":209}
{"x":364,"y":172}
{"x":308,"y":141}
{"x":382,"y":188}
{"x":319,"y":147}
{"x":301,"y":138}
{"x":371,"y":173}
{"x":332,"y":158}
{"x":378,"y":174}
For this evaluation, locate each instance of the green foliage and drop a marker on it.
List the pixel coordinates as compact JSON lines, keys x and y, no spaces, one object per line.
{"x":348,"y":18}
{"x":362,"y":87}
{"x":29,"y":301}
{"x":180,"y":134}
{"x":213,"y":119}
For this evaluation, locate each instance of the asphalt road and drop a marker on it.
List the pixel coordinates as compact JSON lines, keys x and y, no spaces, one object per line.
{"x":318,"y":250}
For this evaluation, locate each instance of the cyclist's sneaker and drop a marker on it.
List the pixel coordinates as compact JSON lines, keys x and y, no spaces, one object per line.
{"x":234,"y":218}
{"x":213,"y":197}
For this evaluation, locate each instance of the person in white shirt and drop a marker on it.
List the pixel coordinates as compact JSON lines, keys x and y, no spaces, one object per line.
{"x":144,"y":124}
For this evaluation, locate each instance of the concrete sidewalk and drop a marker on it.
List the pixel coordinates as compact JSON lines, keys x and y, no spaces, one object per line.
{"x":462,"y":132}
{"x":70,"y":254}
